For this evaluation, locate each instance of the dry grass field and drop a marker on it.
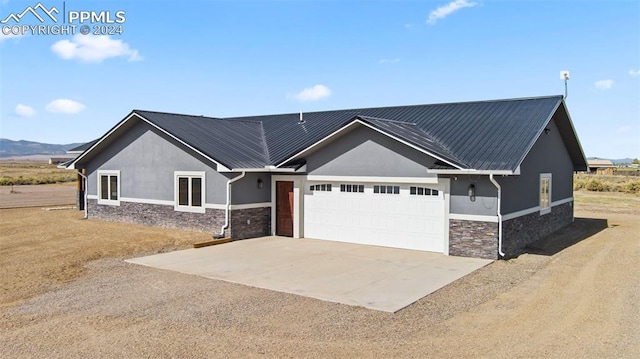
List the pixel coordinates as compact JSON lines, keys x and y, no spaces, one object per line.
{"x":42,"y":249}
{"x":607,"y":183}
{"x":33,"y":173}
{"x":66,"y":293}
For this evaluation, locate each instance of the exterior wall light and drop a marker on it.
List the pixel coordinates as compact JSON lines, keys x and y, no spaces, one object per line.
{"x":260,"y":183}
{"x":472,"y":192}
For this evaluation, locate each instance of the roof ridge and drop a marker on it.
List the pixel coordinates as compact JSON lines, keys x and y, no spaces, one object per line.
{"x":175,"y":114}
{"x":356,"y":110}
{"x":265,"y":147}
{"x":387,"y":120}
{"x":199,"y":116}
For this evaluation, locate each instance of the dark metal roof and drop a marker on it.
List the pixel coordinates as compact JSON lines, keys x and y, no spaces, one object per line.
{"x":412,"y":134}
{"x":484,"y":135}
{"x":83,"y":147}
{"x":235,"y":144}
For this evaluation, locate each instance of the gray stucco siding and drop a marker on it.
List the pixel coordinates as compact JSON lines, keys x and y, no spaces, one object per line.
{"x":548,"y":155}
{"x":147,"y":160}
{"x":365,"y":152}
{"x":245,"y":190}
{"x":486,"y":200}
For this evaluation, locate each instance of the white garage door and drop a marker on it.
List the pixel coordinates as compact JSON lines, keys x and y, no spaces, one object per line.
{"x":385,"y":214}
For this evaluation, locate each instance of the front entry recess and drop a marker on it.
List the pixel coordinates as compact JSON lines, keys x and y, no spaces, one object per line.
{"x":284,"y":208}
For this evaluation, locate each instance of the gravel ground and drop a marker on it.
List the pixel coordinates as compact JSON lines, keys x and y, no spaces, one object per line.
{"x":580,"y":301}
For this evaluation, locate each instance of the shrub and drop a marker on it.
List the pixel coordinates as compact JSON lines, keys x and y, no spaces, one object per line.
{"x":604,"y":183}
{"x":596,"y":185}
{"x":633,"y":187}
{"x":579,"y":184}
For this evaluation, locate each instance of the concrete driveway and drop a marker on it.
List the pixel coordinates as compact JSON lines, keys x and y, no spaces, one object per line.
{"x":378,"y":278}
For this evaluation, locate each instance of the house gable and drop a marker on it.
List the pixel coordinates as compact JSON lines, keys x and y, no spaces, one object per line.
{"x":147,"y":160}
{"x":549,"y":154}
{"x":362,"y":151}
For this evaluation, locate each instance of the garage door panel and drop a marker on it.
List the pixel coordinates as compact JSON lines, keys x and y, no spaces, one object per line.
{"x":394,"y":220}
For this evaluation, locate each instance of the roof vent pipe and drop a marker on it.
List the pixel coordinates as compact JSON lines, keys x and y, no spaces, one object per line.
{"x":301,"y":121}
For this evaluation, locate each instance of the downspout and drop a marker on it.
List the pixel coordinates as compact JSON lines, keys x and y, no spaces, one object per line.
{"x":86,"y":184}
{"x":495,"y":183}
{"x":228,"y":205}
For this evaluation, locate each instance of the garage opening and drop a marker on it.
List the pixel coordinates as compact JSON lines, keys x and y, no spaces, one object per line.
{"x":410,"y":216}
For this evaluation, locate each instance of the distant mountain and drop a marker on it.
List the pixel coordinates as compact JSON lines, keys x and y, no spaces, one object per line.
{"x":9,"y":148}
{"x":615,"y":162}
{"x":622,"y":160}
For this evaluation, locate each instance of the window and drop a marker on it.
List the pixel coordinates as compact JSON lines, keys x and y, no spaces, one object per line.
{"x":189,"y":192}
{"x":545,"y":193}
{"x":109,"y":187}
{"x":386,"y":189}
{"x":358,"y":188}
{"x":325,"y":187}
{"x":423,"y":191}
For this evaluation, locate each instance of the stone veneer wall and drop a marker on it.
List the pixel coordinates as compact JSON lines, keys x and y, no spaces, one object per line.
{"x":158,"y":216}
{"x":519,"y":232}
{"x":473,"y":239}
{"x":250,"y":223}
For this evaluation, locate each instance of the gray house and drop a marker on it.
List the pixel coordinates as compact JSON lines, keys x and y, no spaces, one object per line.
{"x":479,"y":179}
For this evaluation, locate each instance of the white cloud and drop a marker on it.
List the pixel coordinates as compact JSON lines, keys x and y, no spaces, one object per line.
{"x":446,"y":10}
{"x":64,"y":105}
{"x":314,"y":93}
{"x":634,"y":73}
{"x":603,"y":84}
{"x":89,"y":48}
{"x":408,"y":26}
{"x":389,"y":61}
{"x":24,"y":110}
{"x":4,"y":37}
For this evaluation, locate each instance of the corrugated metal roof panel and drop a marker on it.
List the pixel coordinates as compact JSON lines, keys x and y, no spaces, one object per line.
{"x":410,"y":133}
{"x":83,"y":147}
{"x":484,"y":135}
{"x":235,"y":144}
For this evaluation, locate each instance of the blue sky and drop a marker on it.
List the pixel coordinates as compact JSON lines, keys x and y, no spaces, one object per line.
{"x":234,"y":58}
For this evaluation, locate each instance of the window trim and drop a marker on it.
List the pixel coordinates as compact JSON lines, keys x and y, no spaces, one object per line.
{"x":109,"y":173}
{"x":176,"y":188}
{"x":543,"y":178}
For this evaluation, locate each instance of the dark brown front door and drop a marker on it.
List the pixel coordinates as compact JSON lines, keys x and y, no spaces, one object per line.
{"x":284,"y":208}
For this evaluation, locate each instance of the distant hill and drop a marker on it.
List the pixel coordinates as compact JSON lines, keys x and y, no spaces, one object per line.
{"x":615,"y":162}
{"x":9,"y":148}
{"x":623,"y":160}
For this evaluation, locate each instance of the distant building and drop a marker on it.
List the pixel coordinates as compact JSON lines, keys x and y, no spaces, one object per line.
{"x":59,"y":160}
{"x":601,"y":167}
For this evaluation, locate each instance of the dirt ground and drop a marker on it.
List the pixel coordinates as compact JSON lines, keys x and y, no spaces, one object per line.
{"x":63,"y":194}
{"x":66,"y":293}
